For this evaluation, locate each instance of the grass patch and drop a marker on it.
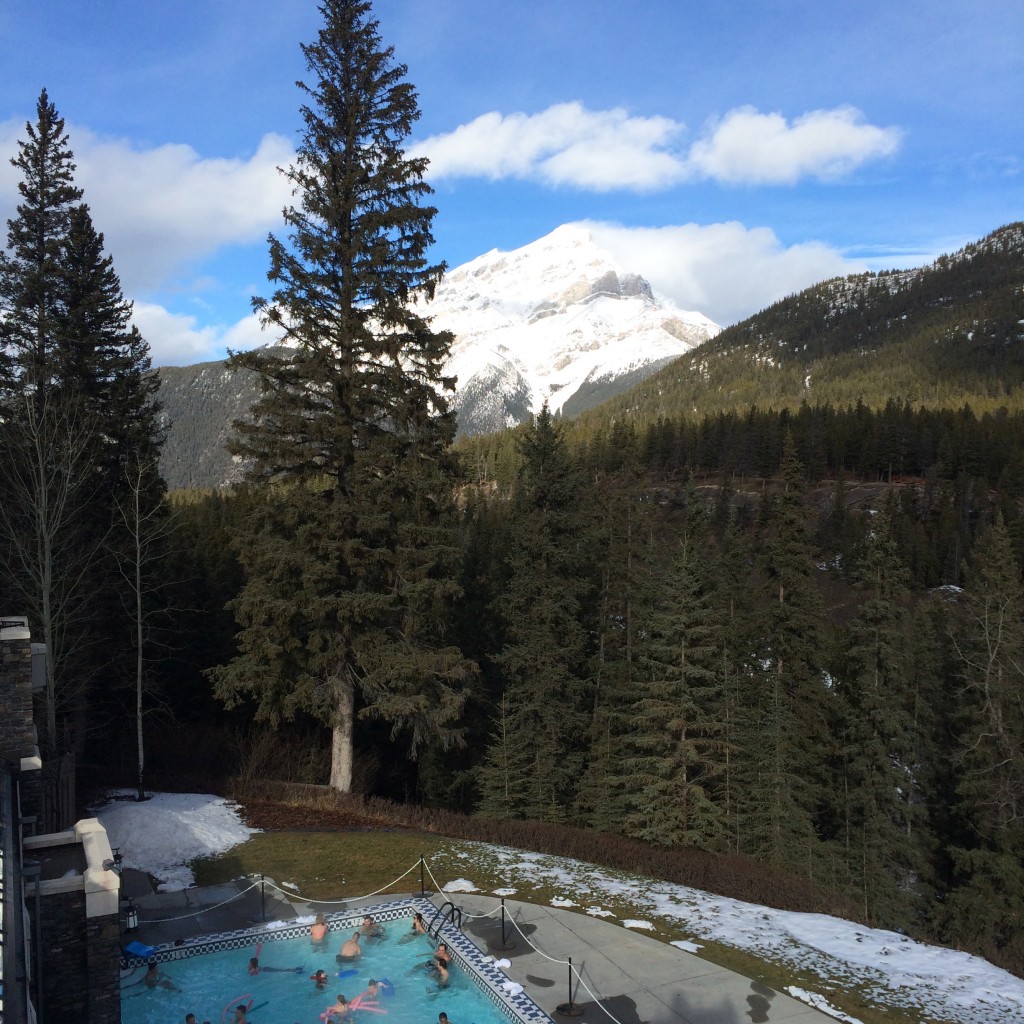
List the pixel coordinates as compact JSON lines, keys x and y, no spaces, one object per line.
{"x":326,"y":865}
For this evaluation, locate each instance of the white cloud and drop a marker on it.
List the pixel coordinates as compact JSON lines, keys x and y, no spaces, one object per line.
{"x":604,"y":150}
{"x":726,"y":271}
{"x":177,"y":340}
{"x":748,"y":147}
{"x":563,"y":145}
{"x":163,"y":208}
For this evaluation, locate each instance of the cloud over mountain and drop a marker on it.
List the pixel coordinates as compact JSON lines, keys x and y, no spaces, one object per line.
{"x":569,"y":145}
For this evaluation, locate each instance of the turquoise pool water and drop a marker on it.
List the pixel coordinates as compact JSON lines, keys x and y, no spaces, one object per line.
{"x":212,"y":984}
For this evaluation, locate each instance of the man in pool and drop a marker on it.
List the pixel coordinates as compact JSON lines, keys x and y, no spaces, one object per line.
{"x":255,"y":968}
{"x":155,"y":977}
{"x":370,"y":929}
{"x":350,"y":950}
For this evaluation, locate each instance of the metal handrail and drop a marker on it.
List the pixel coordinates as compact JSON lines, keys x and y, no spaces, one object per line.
{"x":449,"y":913}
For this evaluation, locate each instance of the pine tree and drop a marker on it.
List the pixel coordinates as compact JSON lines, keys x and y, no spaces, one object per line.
{"x":988,"y":901}
{"x":350,"y":564}
{"x":879,"y":788}
{"x":784,"y":795}
{"x":677,"y":751}
{"x":544,"y":664}
{"x":33,"y":302}
{"x":79,"y":407}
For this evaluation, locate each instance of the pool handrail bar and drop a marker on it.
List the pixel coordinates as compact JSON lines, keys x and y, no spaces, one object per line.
{"x":448,"y":912}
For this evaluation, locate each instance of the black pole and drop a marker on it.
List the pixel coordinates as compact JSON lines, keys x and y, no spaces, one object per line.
{"x":504,"y":941}
{"x":570,"y":1009}
{"x":422,"y":888}
{"x":263,"y":900}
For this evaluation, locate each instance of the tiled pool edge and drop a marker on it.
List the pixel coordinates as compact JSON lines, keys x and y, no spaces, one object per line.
{"x":520,"y":1008}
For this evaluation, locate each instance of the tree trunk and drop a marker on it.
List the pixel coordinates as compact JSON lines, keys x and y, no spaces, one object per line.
{"x":341,"y":735}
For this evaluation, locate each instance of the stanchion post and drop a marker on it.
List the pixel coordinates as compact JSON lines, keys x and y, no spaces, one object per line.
{"x":422,"y":886}
{"x":570,"y":1009}
{"x":263,"y":899}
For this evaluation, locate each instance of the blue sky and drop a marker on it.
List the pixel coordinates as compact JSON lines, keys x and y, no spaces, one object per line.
{"x":733,"y":152}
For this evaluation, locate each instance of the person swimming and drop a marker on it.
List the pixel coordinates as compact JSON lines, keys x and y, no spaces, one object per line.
{"x":318,"y":931}
{"x":350,"y":949}
{"x":255,"y":968}
{"x":156,"y":978}
{"x":339,"y":1011}
{"x":419,"y":927}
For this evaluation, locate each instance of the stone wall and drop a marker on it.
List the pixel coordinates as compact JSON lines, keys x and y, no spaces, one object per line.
{"x":81,"y":978}
{"x":17,"y":735}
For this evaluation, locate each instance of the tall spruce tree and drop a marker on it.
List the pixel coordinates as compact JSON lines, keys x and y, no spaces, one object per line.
{"x":351,"y":559}
{"x":33,"y":300}
{"x":535,"y":760}
{"x":987,"y":903}
{"x":677,"y":750}
{"x":784,"y":795}
{"x":79,"y":407}
{"x":878,"y":787}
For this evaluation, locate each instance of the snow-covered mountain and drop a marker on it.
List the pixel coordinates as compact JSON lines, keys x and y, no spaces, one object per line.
{"x":558,"y":321}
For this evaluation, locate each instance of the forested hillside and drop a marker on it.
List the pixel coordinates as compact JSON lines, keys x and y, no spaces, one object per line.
{"x":791,"y":633}
{"x":199,"y":403}
{"x":940,"y":337}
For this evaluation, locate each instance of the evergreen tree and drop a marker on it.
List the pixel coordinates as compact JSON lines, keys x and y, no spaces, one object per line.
{"x":988,"y":902}
{"x":79,"y":405}
{"x":879,"y":788}
{"x":33,"y":300}
{"x":351,"y":562}
{"x":784,"y":796}
{"x":678,"y":754}
{"x":544,"y":664}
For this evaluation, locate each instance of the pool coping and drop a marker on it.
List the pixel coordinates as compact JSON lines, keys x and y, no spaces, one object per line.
{"x":508,"y":996}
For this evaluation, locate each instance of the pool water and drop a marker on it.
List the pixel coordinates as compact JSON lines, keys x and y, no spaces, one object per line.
{"x":211,"y":985}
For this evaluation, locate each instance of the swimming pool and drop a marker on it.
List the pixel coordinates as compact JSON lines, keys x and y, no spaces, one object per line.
{"x":209,"y":977}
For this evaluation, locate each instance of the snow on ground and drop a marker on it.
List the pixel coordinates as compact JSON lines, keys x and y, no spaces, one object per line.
{"x":164,"y":834}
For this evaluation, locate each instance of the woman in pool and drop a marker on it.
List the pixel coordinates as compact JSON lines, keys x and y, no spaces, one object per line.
{"x":341,"y":1010}
{"x":419,"y":927}
{"x":318,"y":932}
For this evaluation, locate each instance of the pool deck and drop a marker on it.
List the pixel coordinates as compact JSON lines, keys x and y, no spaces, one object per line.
{"x":628,"y":977}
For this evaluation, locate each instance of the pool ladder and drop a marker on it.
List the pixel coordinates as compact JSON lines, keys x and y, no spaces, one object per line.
{"x":448,"y":913}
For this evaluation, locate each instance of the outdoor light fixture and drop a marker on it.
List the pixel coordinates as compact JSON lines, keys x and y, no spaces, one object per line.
{"x":131,"y":917}
{"x":118,"y":857}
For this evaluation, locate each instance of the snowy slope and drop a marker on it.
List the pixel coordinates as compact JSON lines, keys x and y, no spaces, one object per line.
{"x":555,"y":321}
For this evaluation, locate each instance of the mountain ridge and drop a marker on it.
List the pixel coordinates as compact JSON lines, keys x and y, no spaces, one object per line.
{"x":556,"y":321}
{"x":946,"y":334}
